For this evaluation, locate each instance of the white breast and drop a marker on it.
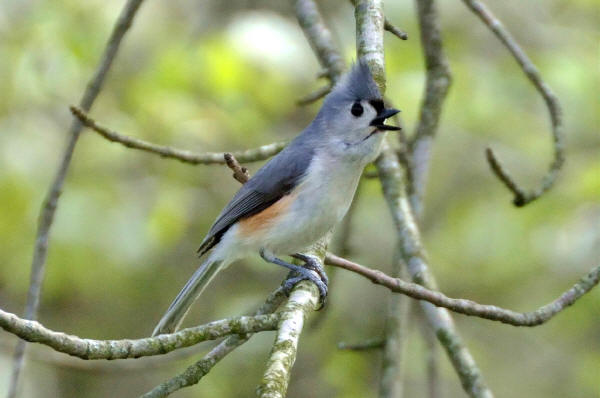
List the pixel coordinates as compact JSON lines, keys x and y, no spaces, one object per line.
{"x":321,"y":201}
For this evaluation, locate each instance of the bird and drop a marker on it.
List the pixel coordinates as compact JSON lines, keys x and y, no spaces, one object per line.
{"x":299,"y":195}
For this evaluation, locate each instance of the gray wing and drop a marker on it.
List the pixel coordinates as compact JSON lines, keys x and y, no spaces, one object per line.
{"x":274,"y":180}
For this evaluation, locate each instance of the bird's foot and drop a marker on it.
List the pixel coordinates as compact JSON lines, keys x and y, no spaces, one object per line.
{"x":313,"y":271}
{"x":295,"y":277}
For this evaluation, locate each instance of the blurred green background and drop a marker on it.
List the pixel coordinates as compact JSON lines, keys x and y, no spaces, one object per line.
{"x":210,"y":76}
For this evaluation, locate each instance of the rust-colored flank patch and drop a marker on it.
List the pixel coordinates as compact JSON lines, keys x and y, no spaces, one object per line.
{"x":261,"y":220}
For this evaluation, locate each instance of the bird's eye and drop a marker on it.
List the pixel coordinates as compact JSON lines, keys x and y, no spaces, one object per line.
{"x":357,"y":109}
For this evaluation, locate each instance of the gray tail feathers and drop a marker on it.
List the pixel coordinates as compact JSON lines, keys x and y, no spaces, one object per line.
{"x":190,"y":292}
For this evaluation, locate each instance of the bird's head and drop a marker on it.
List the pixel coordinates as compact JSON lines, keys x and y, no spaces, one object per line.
{"x":353,"y":115}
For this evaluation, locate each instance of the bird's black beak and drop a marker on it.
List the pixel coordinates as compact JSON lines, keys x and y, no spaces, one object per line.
{"x":379,"y":121}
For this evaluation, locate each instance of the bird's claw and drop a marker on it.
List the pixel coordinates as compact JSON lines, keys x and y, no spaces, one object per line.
{"x":311,"y":264}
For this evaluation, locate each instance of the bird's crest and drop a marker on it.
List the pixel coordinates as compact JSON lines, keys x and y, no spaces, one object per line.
{"x":357,"y":84}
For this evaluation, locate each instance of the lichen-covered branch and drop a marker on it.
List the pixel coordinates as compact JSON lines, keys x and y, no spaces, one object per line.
{"x":469,"y":307}
{"x":248,"y":155}
{"x":199,"y":369}
{"x":521,"y":196}
{"x":303,"y":299}
{"x":437,"y":83}
{"x":413,"y":255}
{"x":370,"y":23}
{"x":34,"y":332}
{"x":369,"y":37}
{"x":50,"y":203}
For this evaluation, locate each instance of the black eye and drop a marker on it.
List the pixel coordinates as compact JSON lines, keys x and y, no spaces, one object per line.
{"x":357,"y":109}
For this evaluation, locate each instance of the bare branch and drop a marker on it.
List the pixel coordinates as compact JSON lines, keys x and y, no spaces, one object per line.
{"x":521,"y":197}
{"x":399,"y":33}
{"x":413,"y":255}
{"x":50,"y":204}
{"x":396,"y":333}
{"x":438,"y":81}
{"x":319,"y":37}
{"x":239,"y":173}
{"x":303,"y":299}
{"x":366,"y":345}
{"x":321,"y":41}
{"x":314,"y":96}
{"x":370,"y":23}
{"x":198,"y":370}
{"x":35,"y":332}
{"x":432,"y":358}
{"x":468,"y":307}
{"x":249,"y":155}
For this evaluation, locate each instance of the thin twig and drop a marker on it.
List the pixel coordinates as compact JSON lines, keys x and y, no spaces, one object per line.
{"x":249,"y":155}
{"x":399,"y":33}
{"x":468,"y":307}
{"x":239,"y":173}
{"x":367,"y":345}
{"x":319,"y":38}
{"x":314,"y":96}
{"x":438,"y":81}
{"x":521,"y":196}
{"x":414,"y":256}
{"x":50,"y":204}
{"x":198,"y":370}
{"x":35,"y":332}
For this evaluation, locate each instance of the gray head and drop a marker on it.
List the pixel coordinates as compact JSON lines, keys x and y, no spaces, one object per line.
{"x":351,"y":120}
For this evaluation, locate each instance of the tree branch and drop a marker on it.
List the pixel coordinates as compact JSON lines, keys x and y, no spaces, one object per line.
{"x":50,"y":204}
{"x":468,"y":307}
{"x":370,"y":23}
{"x":438,"y":81}
{"x":314,"y":96}
{"x":396,"y":332}
{"x":413,"y":255}
{"x":303,"y":299}
{"x":305,"y":295}
{"x":198,"y":370}
{"x":240,"y":174}
{"x":521,"y":197}
{"x":249,"y":155}
{"x":319,"y":38}
{"x":399,"y":33}
{"x":369,"y":37}
{"x":35,"y":332}
{"x":367,"y":345}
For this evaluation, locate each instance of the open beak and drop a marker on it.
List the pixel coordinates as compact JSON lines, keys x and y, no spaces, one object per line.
{"x":379,"y":121}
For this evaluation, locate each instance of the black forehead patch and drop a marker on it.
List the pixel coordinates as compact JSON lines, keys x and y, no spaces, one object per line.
{"x":377,"y":104}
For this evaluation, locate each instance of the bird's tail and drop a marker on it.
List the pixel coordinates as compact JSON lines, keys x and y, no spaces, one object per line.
{"x":190,"y":292}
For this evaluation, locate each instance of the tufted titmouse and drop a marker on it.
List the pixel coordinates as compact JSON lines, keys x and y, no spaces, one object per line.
{"x":299,"y":195}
